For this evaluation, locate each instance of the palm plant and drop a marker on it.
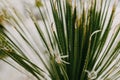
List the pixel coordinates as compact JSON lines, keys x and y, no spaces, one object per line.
{"x":77,"y":42}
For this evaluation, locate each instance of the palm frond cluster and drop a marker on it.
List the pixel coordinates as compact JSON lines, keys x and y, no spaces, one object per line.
{"x":77,"y":42}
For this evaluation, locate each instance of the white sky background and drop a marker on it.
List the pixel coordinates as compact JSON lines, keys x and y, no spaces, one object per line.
{"x":6,"y":71}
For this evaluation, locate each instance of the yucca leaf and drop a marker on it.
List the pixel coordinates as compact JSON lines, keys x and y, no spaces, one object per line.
{"x":80,"y":41}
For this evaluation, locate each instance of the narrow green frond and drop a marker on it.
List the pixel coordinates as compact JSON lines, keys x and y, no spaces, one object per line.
{"x":78,"y":42}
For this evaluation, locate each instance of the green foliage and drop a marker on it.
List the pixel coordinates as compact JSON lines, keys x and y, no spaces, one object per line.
{"x":81,"y":41}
